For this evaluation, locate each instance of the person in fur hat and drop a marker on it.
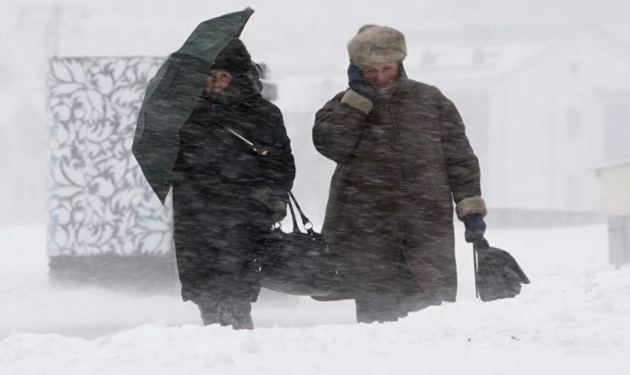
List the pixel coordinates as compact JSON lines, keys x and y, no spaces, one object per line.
{"x":404,"y":164}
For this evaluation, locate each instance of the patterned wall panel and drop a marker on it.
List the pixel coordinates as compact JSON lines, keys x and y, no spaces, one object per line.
{"x":100,"y":202}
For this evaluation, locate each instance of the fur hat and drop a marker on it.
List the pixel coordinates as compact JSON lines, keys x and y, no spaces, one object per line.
{"x":377,"y":44}
{"x":234,"y":58}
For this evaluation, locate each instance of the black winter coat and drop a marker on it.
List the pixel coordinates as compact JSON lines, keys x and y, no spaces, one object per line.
{"x":214,"y":160}
{"x":224,"y":194}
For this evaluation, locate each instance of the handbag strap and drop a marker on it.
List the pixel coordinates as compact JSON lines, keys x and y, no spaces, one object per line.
{"x":295,"y":224}
{"x":476,"y":263}
{"x":305,"y":221}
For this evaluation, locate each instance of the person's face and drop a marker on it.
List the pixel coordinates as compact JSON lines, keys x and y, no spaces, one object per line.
{"x":381,"y":75}
{"x":217,"y":81}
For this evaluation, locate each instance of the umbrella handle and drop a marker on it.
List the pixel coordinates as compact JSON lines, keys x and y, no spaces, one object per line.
{"x":480,"y":245}
{"x":260,"y":151}
{"x":476,"y":264}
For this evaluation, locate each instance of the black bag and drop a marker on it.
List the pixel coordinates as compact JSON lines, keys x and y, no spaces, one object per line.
{"x":497,"y":274}
{"x":297,"y":263}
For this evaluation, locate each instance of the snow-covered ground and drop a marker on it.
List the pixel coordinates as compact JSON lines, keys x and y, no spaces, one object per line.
{"x":574,"y":318}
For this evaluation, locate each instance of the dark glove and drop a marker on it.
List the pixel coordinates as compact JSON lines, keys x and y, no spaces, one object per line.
{"x":274,"y":202}
{"x":356,"y":82}
{"x":279,"y":211}
{"x":475,"y":228}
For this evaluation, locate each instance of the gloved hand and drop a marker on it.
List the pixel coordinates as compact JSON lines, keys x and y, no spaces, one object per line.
{"x":274,"y":202}
{"x":475,"y":228}
{"x":279,"y":209}
{"x":356,"y":82}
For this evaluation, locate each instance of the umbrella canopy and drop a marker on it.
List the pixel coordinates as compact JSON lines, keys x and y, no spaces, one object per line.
{"x":497,"y":274}
{"x":173,"y":93}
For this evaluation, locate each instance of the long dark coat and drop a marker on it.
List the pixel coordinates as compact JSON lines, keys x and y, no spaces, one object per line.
{"x":224,"y":195}
{"x":391,"y":196}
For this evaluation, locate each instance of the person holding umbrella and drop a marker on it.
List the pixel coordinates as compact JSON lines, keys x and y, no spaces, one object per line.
{"x":402,"y":158}
{"x":230,"y":172}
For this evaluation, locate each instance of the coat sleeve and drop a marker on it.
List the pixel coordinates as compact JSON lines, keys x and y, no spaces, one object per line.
{"x":338,"y":128}
{"x":280,"y":164}
{"x":277,"y":169}
{"x":461,"y":162}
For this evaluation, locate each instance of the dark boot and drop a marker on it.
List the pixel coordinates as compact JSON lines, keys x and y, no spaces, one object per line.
{"x":379,"y":310}
{"x":209,"y":313}
{"x":236,"y":313}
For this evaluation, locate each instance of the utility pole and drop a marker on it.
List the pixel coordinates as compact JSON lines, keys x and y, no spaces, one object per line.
{"x":52,"y":16}
{"x":52,"y":31}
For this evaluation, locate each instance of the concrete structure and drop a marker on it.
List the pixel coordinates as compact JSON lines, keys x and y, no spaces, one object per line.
{"x":615,"y":203}
{"x":615,"y":188}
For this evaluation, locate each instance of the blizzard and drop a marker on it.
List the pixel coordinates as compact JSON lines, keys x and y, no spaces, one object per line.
{"x":573,"y":318}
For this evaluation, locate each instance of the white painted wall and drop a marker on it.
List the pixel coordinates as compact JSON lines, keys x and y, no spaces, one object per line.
{"x":548,"y":170}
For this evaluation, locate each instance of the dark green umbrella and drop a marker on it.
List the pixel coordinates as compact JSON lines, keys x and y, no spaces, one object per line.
{"x":497,"y":274}
{"x":173,"y":93}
